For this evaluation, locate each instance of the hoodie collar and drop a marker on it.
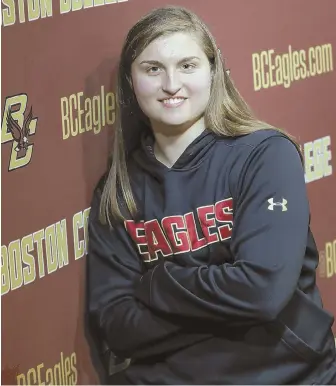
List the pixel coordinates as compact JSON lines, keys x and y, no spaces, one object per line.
{"x":192,"y":155}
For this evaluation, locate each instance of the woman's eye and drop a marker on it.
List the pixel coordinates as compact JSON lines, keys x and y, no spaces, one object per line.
{"x":188,"y":66}
{"x":153,"y":69}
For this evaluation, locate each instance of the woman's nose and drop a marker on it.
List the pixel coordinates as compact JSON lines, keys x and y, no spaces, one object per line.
{"x":171,"y":82}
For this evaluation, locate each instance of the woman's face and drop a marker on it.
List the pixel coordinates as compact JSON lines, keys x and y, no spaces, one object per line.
{"x":172,"y":80}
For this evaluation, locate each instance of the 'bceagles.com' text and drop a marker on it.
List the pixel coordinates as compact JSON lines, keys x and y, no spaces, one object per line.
{"x":271,"y":69}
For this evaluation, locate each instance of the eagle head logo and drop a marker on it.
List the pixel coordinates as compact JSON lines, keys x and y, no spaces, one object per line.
{"x":20,"y":134}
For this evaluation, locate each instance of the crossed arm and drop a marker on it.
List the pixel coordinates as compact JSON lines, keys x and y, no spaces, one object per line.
{"x":129,"y":327}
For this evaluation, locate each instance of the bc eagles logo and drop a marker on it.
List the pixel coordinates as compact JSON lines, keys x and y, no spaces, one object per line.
{"x":17,"y":127}
{"x":20,"y":134}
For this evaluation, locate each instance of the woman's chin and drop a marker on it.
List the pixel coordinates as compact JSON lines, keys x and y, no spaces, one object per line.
{"x":172,"y":127}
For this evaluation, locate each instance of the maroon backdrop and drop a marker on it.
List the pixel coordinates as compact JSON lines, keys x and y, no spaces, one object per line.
{"x":59,"y":59}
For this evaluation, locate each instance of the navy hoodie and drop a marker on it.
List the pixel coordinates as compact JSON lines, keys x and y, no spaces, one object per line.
{"x":214,"y":281}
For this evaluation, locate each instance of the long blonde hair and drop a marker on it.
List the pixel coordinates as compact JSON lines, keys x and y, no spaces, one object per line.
{"x":227,"y":114}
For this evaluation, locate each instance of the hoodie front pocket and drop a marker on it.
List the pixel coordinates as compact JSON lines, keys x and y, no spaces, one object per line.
{"x":304,"y":326}
{"x":293,"y":342}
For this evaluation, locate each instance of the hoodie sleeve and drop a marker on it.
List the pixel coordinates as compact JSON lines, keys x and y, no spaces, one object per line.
{"x":270,"y":228}
{"x":113,"y":268}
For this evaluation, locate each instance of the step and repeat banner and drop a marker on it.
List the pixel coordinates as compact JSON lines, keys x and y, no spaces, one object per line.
{"x":59,"y":60}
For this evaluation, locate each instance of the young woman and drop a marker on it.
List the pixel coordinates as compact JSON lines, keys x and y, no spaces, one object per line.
{"x":201,"y":261}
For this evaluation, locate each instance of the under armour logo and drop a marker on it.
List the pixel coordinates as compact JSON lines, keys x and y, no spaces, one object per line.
{"x":272,"y":204}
